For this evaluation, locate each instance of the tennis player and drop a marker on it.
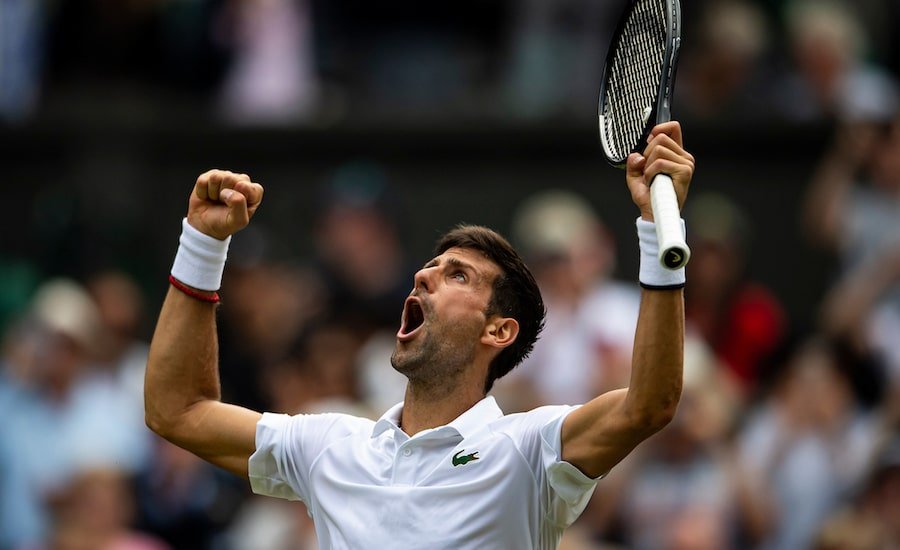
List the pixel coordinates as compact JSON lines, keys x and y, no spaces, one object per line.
{"x":445,"y":468}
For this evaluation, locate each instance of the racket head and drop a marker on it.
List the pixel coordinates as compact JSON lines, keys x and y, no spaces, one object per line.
{"x":638,"y":76}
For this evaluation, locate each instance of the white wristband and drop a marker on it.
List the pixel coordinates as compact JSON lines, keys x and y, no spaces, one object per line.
{"x":653,"y":275}
{"x":200,"y":260}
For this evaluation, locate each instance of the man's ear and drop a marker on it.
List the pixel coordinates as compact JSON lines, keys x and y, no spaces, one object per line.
{"x":500,"y":332}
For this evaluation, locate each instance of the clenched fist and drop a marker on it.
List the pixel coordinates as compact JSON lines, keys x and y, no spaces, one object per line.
{"x":223,"y":202}
{"x":664,"y":154}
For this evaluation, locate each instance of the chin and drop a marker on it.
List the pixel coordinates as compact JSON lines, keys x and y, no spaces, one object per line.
{"x":403,"y":362}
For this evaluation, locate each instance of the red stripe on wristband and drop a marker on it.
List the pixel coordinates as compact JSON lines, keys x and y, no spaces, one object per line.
{"x":212,"y":299}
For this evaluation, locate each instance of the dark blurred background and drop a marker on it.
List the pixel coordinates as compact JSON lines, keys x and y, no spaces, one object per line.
{"x":375,"y":126}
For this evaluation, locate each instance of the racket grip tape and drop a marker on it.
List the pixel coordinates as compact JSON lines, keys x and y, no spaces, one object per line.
{"x":673,"y":250}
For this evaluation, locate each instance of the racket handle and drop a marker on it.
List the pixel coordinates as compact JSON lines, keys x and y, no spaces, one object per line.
{"x":673,"y":250}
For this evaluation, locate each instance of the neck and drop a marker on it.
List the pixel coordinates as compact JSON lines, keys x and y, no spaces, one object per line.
{"x":424,"y":409}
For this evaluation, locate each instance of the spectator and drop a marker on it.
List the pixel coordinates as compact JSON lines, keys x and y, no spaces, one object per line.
{"x":117,"y":375}
{"x":556,"y":57}
{"x":22,"y":517}
{"x":269,"y":524}
{"x":120,"y":304}
{"x":829,"y":78}
{"x":271,"y":302}
{"x":95,"y":511}
{"x":358,"y":246}
{"x":22,"y":33}
{"x":740,"y":319}
{"x":400,"y":61}
{"x":272,"y":78}
{"x":681,"y":491}
{"x":585,"y":348}
{"x":721,"y":73}
{"x":872,"y":520}
{"x":806,"y":446}
{"x":862,"y":310}
{"x":58,"y":421}
{"x":319,"y":374}
{"x":853,"y":210}
{"x":185,"y":501}
{"x":854,"y":196}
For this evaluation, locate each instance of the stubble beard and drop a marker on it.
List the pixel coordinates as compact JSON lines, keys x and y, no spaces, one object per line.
{"x":438,"y":359}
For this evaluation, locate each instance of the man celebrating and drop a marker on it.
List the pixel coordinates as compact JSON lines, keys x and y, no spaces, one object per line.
{"x":444,"y":468}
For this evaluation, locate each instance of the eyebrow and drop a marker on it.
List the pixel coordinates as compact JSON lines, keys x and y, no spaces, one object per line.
{"x":454,"y":262}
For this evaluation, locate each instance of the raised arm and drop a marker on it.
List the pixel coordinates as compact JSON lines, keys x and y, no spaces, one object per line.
{"x":181,"y":386}
{"x":596,"y":436}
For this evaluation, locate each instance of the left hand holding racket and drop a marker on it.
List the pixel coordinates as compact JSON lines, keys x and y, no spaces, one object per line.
{"x":664,"y":154}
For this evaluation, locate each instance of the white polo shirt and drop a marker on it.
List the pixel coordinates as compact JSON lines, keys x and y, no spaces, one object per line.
{"x":484,"y":480}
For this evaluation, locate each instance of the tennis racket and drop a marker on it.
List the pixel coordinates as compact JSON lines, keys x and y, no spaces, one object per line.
{"x":635,"y":96}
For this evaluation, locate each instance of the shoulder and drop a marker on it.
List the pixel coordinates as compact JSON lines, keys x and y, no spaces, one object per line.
{"x":531,"y":421}
{"x":331,"y":419}
{"x":331,"y":425}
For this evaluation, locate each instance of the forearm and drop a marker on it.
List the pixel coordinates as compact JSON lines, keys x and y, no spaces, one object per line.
{"x":657,"y":360}
{"x":596,"y":436}
{"x":182,"y":367}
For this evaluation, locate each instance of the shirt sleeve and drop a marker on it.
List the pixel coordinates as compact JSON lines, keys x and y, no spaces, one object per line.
{"x":286,"y":447}
{"x":565,"y":489}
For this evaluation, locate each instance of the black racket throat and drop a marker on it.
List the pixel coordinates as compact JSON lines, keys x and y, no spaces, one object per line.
{"x":638,"y":76}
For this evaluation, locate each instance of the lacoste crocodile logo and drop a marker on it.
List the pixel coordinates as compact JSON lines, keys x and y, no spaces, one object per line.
{"x":462,"y":460}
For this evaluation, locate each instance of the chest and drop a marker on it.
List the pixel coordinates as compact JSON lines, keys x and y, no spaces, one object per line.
{"x":425,"y":491}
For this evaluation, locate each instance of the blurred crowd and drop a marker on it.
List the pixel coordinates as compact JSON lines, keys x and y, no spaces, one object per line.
{"x":288,"y":62}
{"x":788,"y":432}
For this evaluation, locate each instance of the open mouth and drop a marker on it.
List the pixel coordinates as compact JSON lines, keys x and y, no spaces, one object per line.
{"x":412,"y":319}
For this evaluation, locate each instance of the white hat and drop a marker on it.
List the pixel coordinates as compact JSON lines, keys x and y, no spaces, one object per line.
{"x":63,"y":306}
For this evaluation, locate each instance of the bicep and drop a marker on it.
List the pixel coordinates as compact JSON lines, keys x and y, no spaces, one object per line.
{"x":222,"y":434}
{"x":599,"y":434}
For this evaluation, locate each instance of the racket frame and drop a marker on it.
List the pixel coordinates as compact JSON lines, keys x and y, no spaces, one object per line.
{"x":662,"y":107}
{"x":674,"y":252}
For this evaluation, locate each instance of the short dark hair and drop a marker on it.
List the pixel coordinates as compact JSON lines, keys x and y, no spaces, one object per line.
{"x":515,"y":292}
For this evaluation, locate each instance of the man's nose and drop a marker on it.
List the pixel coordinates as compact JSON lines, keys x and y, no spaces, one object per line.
{"x":422,"y":279}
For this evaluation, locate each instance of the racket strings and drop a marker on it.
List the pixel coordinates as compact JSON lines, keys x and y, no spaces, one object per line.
{"x":634,"y":77}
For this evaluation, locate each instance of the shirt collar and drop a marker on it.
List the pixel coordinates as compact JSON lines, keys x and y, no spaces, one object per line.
{"x":390,"y":419}
{"x":465,"y":424}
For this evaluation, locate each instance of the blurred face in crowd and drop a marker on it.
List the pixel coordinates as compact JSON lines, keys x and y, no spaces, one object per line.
{"x":94,"y":509}
{"x":361,"y":246}
{"x":119,"y":302}
{"x":825,"y":41}
{"x":815,"y":395}
{"x":572,"y":270}
{"x":820,"y":61}
{"x":59,"y":361}
{"x":445,"y":316}
{"x":715,"y":267}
